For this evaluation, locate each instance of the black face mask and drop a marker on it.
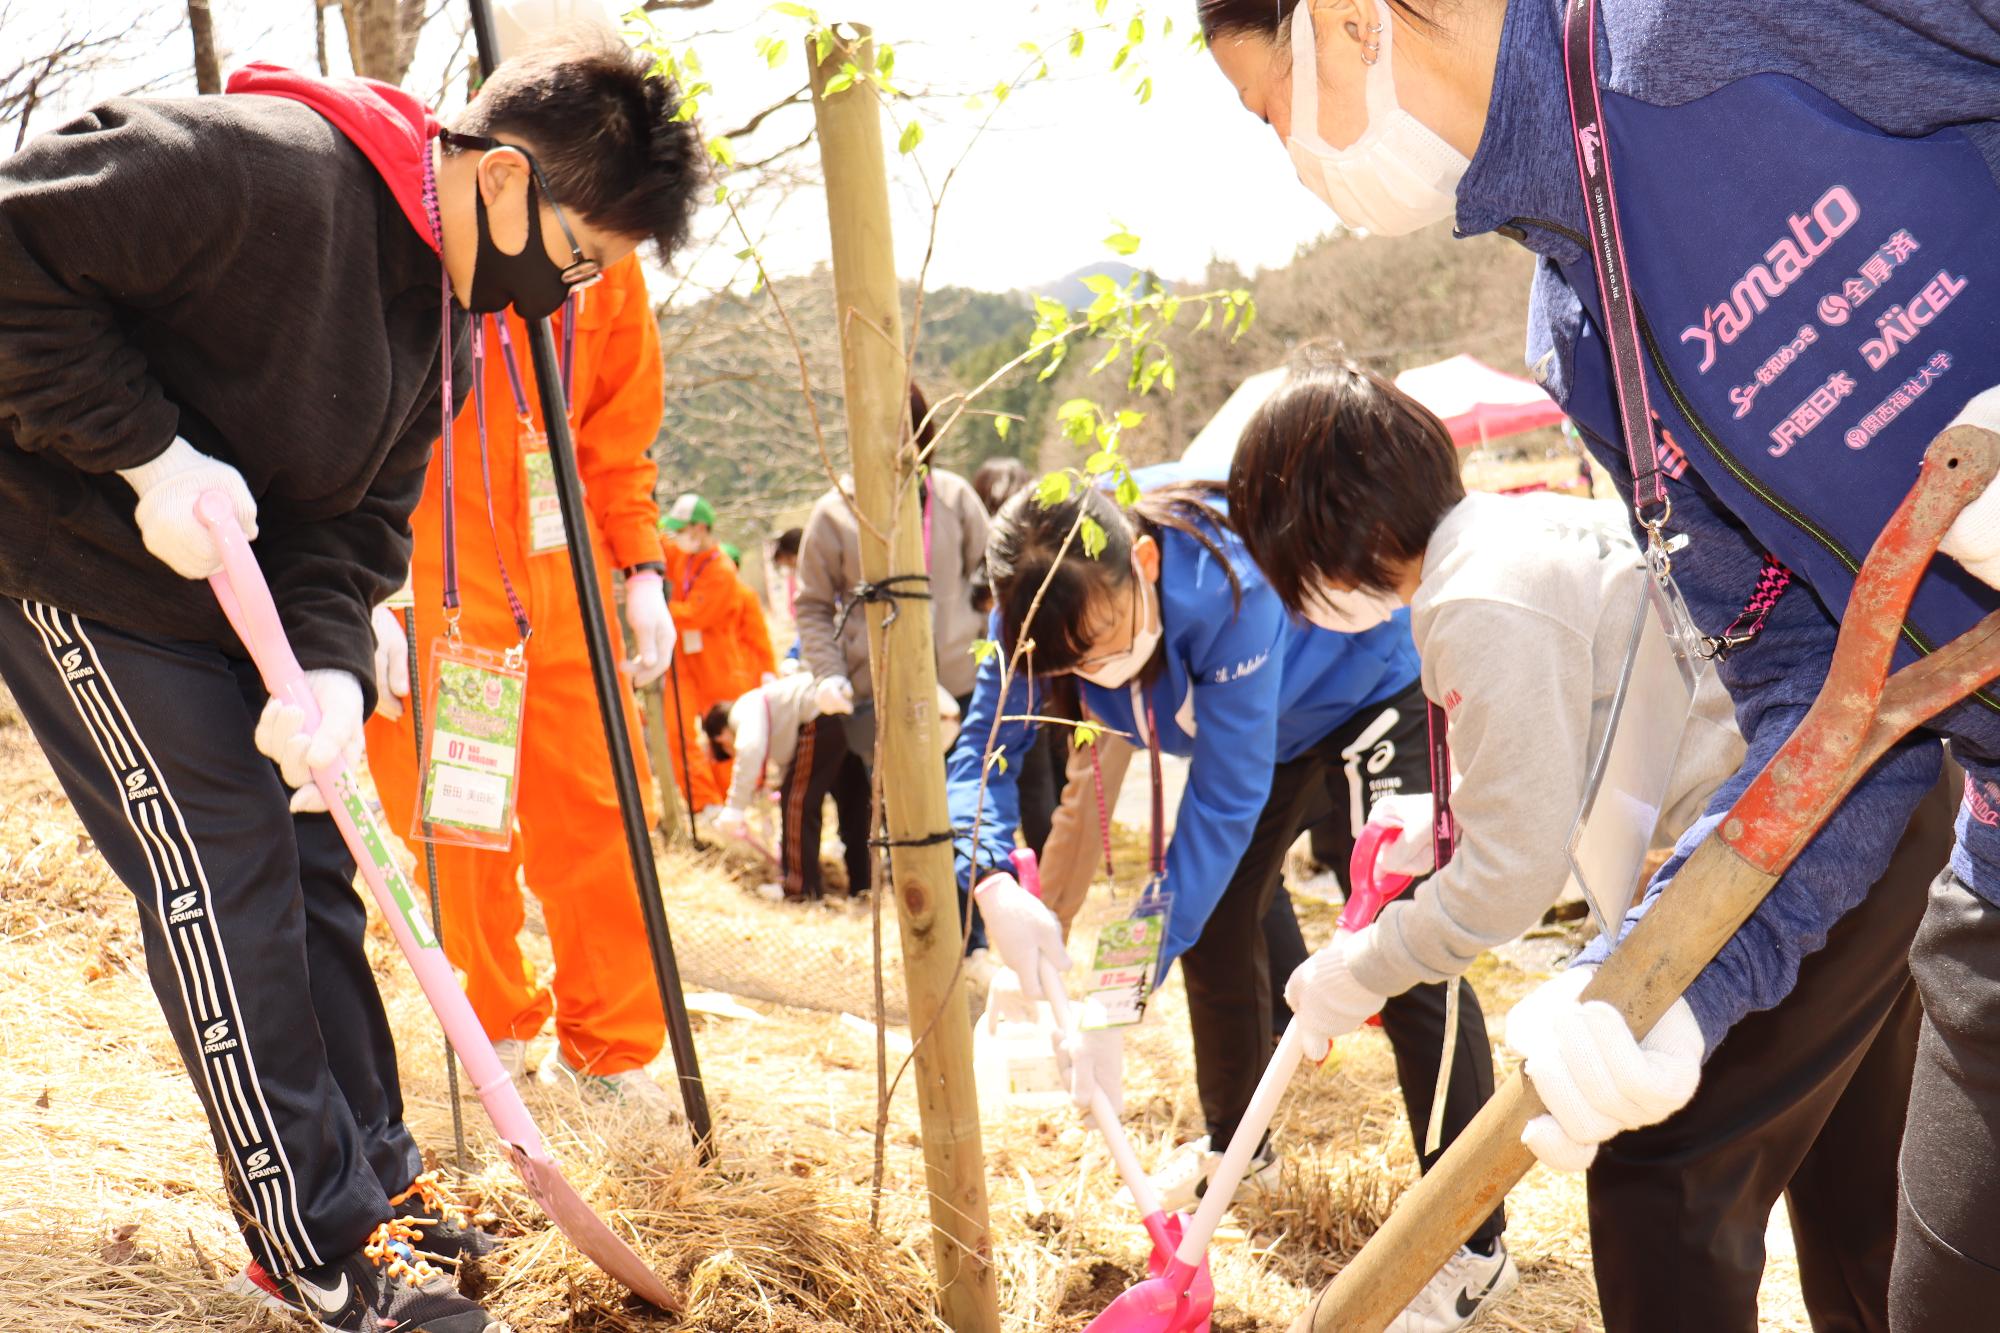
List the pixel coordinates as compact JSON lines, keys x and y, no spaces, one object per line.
{"x":529,"y":281}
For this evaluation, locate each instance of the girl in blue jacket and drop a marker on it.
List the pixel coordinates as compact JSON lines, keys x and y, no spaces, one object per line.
{"x":1805,"y":229}
{"x":1173,"y":638}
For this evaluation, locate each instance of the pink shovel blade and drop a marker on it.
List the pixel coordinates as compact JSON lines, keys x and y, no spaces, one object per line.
{"x":1164,"y":1304}
{"x":1201,"y":1291}
{"x":585,"y":1229}
{"x":246,"y":600}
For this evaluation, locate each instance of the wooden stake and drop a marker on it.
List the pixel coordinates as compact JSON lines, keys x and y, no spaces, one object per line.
{"x":902,"y":654}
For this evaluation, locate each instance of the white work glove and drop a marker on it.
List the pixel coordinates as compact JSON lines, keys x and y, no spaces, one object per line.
{"x":1023,"y":931}
{"x":652,"y":626}
{"x":1326,"y":999}
{"x":835,"y":695}
{"x":731,"y":823}
{"x":1414,"y":853}
{"x":1595,"y":1080}
{"x":392,"y":662}
{"x":1092,"y":1061}
{"x":167,"y":488}
{"x":790,"y":666}
{"x":1006,"y":1004}
{"x":282,"y":737}
{"x":1973,"y":539}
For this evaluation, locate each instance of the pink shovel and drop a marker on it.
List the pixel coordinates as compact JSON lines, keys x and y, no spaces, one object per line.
{"x":246,"y":600}
{"x":1165,"y":1229}
{"x":1173,"y":1302}
{"x":1368,"y":894}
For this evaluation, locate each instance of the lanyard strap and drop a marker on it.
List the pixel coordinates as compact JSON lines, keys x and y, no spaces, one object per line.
{"x":694,"y":569}
{"x":924,"y":498}
{"x":519,"y":612}
{"x":1159,"y":796}
{"x":1444,"y":826}
{"x":507,"y":357}
{"x":444,"y":288}
{"x":1607,"y":250}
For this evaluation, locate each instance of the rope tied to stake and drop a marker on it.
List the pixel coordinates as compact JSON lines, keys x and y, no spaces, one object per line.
{"x":889,"y":590}
{"x":927,"y":840}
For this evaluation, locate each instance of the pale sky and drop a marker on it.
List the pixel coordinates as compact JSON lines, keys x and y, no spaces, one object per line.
{"x":1190,"y":172}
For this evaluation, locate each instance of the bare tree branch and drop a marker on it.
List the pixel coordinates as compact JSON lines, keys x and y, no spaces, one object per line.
{"x":207,"y":69}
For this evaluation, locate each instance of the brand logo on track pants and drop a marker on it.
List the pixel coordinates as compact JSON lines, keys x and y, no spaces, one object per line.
{"x":215,"y":1038}
{"x":73,"y":667}
{"x":259,"y":1165}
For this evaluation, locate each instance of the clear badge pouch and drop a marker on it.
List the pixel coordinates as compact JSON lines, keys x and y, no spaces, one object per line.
{"x":1125,"y":962}
{"x":472,"y":746}
{"x":1632,"y":772}
{"x":542,"y":505}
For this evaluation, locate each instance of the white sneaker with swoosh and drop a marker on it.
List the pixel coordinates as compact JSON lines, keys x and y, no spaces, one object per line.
{"x":1469,"y":1284}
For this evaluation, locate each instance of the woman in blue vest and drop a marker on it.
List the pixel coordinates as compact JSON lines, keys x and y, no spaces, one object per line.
{"x":1172,"y":637}
{"x":1807,"y":212}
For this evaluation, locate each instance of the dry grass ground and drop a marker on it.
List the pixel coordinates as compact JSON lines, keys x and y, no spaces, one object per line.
{"x":111,"y":1213}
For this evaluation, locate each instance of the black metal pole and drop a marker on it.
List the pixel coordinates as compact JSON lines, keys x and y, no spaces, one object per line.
{"x":610,"y":690}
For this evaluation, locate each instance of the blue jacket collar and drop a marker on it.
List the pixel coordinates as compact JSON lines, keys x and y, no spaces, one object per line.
{"x":1524,"y":169}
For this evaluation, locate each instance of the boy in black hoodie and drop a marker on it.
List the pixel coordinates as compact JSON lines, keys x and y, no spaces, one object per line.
{"x":250,"y":294}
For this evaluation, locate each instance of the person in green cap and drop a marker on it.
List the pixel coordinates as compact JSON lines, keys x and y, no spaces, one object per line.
{"x":701,"y":596}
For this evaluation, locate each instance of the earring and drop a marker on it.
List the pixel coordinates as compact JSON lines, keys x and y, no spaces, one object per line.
{"x":1371,"y":49}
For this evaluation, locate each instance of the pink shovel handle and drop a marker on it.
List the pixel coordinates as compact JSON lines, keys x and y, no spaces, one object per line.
{"x":245,"y":598}
{"x":1368,"y":894}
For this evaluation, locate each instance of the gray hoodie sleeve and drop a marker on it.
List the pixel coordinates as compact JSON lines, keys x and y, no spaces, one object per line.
{"x":1520,"y":738}
{"x":817,"y":605}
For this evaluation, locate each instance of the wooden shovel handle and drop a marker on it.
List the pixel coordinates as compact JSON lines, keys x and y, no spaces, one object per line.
{"x":1860,"y":713}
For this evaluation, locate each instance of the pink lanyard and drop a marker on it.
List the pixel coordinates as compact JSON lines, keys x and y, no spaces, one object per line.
{"x":1444,"y":826}
{"x":694,"y":569}
{"x":514,"y":607}
{"x":568,"y":360}
{"x":1159,"y":845}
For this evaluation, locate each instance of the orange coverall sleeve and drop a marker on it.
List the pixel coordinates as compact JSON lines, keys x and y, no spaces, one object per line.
{"x":618,"y":423}
{"x":709,"y":601}
{"x":758,"y":654}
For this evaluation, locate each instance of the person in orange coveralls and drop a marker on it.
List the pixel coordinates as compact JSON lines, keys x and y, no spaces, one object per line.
{"x":702,"y":595}
{"x":570,"y":838}
{"x":756,"y":661}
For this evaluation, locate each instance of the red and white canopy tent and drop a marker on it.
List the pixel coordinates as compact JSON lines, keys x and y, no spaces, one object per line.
{"x":1477,"y":404}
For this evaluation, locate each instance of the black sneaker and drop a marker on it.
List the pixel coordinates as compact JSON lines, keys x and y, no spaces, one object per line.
{"x":446,"y":1233}
{"x":380,"y":1288}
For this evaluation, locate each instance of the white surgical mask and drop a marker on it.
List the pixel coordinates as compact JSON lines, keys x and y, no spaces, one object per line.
{"x":1399,"y":175}
{"x":1113,"y":672}
{"x":1352,"y":611}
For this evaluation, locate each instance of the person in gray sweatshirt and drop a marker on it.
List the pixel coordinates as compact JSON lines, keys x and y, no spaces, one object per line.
{"x":1347,"y":493}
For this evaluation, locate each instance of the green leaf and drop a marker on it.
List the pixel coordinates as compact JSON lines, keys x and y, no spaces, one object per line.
{"x":1052,"y":489}
{"x":913,"y":134}
{"x":1084,"y":734}
{"x":1000,"y":92}
{"x":1145,"y":90}
{"x":1127,"y":418}
{"x":1076,"y":43}
{"x":984,"y":648}
{"x":1118,"y":61}
{"x":1091,"y":533}
{"x":1101,"y":283}
{"x":1167,"y":26}
{"x":1167,"y":375}
{"x":1128,"y":491}
{"x":1135,"y":31}
{"x":885,"y":60}
{"x":1001,"y":425}
{"x":792,"y":11}
{"x":822,"y":45}
{"x":840,"y":82}
{"x":1101,"y":462}
{"x":1122,"y":242}
{"x":997,"y":761}
{"x":721,"y":193}
{"x":722,"y":150}
{"x":1051,"y":311}
{"x":1207,"y":314}
{"x":1074,"y":408}
{"x":1100,"y":7}
{"x":1169,"y":308}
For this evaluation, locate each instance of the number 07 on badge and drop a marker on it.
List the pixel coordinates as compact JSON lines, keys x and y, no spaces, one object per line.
{"x":472,"y":747}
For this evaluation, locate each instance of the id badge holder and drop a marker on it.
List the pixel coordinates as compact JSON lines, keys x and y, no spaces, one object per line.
{"x":1633,"y":770}
{"x":472,"y":747}
{"x":542,"y":504}
{"x":1126,"y":962}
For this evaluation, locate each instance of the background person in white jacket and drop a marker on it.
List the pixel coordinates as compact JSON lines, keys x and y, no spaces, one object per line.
{"x":1522,"y":609}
